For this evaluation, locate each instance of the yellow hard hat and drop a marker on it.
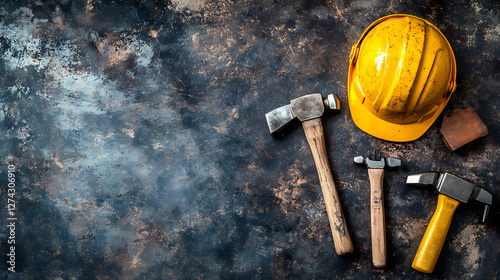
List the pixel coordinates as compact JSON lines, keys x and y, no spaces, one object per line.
{"x":402,"y":73}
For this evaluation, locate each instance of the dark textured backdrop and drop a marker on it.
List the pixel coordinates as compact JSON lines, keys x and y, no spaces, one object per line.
{"x":138,"y":131}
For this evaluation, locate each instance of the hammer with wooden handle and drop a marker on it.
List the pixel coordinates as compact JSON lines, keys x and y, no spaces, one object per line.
{"x":309,"y":109}
{"x":452,"y":190}
{"x":376,"y":165}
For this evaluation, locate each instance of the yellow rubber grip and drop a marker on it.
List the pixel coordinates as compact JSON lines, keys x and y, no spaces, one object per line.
{"x":433,"y":240}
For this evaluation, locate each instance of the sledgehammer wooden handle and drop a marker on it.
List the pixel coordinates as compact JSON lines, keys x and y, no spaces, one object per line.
{"x":379,"y":252}
{"x":316,"y":139}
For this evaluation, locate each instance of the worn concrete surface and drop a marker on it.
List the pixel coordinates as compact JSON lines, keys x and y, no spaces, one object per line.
{"x":138,"y":132}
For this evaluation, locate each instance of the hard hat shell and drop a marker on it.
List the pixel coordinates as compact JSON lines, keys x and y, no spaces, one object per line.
{"x":402,"y":73}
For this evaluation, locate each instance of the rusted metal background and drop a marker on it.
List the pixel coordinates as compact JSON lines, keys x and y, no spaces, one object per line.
{"x":138,"y":132}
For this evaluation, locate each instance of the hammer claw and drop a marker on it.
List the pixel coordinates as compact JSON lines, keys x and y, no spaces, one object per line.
{"x":485,"y":197}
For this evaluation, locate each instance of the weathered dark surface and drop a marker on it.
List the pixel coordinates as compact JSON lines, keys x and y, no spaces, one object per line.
{"x":139,"y":133}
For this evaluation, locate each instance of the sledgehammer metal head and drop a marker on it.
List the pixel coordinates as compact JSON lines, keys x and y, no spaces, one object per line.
{"x":304,"y":108}
{"x":454,"y":187}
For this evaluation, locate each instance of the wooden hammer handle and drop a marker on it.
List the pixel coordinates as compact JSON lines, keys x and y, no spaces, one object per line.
{"x":379,"y":251}
{"x":316,"y":139}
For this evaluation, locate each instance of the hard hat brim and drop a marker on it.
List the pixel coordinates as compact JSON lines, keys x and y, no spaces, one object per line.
{"x":377,"y":127}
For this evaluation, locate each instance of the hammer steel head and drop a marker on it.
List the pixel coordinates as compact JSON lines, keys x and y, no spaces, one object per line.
{"x":375,"y":161}
{"x":454,"y":187}
{"x":304,"y":108}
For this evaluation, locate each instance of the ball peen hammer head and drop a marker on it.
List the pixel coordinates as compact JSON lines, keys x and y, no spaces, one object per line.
{"x":304,"y":108}
{"x":454,"y":187}
{"x":376,"y":161}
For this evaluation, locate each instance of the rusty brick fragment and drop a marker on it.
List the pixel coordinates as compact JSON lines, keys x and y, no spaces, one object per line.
{"x":462,"y":126}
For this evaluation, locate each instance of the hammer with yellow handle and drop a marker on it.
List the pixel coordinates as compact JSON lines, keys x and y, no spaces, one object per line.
{"x":452,"y":190}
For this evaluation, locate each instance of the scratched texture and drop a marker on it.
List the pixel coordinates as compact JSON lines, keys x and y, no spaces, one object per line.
{"x":138,"y":131}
